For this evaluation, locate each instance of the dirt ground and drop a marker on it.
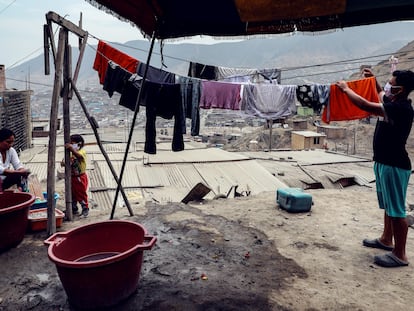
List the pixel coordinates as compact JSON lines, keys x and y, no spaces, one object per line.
{"x":254,"y":256}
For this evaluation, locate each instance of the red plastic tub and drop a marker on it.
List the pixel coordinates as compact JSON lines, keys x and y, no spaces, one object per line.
{"x":14,"y":209}
{"x":38,"y":219}
{"x":99,"y":264}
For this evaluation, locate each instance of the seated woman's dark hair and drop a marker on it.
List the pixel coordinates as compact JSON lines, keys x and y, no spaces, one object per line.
{"x":6,"y":133}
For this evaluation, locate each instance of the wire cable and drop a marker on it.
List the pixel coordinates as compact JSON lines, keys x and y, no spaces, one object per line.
{"x":375,"y":59}
{"x":7,"y":6}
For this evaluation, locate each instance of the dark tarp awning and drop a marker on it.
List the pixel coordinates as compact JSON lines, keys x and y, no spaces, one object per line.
{"x":223,"y":18}
{"x":168,"y":19}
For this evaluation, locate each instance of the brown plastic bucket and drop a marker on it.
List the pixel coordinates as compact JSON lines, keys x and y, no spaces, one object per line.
{"x":14,"y":210}
{"x":99,"y":264}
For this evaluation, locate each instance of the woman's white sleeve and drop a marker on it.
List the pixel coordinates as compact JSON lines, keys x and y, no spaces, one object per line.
{"x":14,"y":159}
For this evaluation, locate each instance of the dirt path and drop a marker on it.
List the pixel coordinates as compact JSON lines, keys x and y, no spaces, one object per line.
{"x":254,"y":255}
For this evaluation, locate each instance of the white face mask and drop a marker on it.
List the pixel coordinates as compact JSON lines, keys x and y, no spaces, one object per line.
{"x":75,"y":147}
{"x":387,"y":89}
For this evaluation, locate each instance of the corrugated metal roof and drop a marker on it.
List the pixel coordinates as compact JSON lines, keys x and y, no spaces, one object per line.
{"x":307,"y":157}
{"x":169,"y":176}
{"x":300,"y":168}
{"x":195,"y":155}
{"x":308,"y":133}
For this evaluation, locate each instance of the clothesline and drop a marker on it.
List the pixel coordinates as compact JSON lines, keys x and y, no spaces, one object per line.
{"x":196,"y":70}
{"x":286,"y":69}
{"x":181,"y":97}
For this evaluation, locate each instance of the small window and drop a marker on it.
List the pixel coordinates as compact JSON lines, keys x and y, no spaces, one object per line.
{"x":316,"y":140}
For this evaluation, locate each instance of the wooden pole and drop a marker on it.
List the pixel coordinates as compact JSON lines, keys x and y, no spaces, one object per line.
{"x":94,"y":126}
{"x":270,"y":134}
{"x":51,"y":162}
{"x":133,"y":124}
{"x":63,"y":63}
{"x":66,"y":128}
{"x":46,"y":49}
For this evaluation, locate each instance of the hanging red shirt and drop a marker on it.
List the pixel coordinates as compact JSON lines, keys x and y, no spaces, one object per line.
{"x":105,"y":53}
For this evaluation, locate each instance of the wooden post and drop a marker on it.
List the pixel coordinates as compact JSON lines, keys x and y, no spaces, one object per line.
{"x":133,"y":125}
{"x":270,"y":134}
{"x":66,"y":128}
{"x":51,"y":162}
{"x":46,"y":48}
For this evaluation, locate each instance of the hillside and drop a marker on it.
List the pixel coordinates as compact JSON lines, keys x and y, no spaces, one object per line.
{"x":253,"y":52}
{"x":382,"y":69}
{"x":319,"y":58}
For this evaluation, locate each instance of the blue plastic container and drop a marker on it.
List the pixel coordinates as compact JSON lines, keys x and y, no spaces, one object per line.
{"x":39,"y":203}
{"x":294,"y":200}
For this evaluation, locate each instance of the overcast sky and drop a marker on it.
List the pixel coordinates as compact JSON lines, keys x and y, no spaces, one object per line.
{"x":21,"y":26}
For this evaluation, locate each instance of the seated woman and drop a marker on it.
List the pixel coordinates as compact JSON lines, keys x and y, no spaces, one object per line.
{"x":9,"y":158}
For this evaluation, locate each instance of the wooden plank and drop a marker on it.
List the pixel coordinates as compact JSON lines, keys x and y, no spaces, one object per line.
{"x":197,"y":193}
{"x":35,"y":187}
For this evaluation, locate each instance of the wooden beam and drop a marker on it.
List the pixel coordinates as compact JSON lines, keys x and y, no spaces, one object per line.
{"x":51,"y":162}
{"x":46,"y":49}
{"x":52,"y":16}
{"x":67,"y":69}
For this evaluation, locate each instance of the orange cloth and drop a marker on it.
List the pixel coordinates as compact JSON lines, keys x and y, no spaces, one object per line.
{"x":341,"y":108}
{"x":105,"y":53}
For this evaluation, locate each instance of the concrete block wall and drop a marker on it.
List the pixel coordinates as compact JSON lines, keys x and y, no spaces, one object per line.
{"x":2,"y":78}
{"x":332,"y":132}
{"x":15,"y":114}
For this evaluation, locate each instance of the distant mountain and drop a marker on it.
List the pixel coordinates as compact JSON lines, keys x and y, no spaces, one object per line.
{"x":382,"y":70}
{"x":318,"y":58}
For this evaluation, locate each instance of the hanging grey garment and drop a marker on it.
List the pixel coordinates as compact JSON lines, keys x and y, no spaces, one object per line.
{"x":155,"y":75}
{"x":271,"y":75}
{"x":190,"y":98}
{"x":269,"y":101}
{"x":235,"y":74}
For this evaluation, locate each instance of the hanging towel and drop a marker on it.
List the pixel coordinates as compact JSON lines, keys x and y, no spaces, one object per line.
{"x":341,"y":108}
{"x":106,"y":53}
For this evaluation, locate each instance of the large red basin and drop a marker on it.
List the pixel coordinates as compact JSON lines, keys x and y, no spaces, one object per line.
{"x":99,"y":264}
{"x":14,"y":210}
